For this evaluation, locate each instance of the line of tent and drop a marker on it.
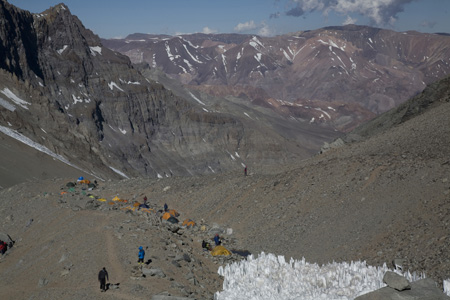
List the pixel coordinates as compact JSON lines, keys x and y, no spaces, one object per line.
{"x":170,"y":215}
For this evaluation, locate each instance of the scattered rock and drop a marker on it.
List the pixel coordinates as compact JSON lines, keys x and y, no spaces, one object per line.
{"x":42,"y":282}
{"x":153,"y":272}
{"x":396,"y":281}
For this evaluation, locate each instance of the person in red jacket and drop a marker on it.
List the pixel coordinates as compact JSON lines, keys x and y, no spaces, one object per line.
{"x":3,"y":247}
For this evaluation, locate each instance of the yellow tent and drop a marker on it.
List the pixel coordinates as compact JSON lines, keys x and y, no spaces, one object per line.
{"x":116,"y":198}
{"x":220,"y":250}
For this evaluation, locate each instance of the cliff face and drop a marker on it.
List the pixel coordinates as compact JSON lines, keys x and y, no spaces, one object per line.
{"x":64,"y":90}
{"x":87,"y":103}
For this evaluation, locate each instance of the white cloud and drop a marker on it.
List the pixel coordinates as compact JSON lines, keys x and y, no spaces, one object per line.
{"x":349,"y":20}
{"x":207,"y":30}
{"x":428,"y":24}
{"x":250,"y":25}
{"x":378,"y":11}
{"x":262,"y":29}
{"x":265,"y":31}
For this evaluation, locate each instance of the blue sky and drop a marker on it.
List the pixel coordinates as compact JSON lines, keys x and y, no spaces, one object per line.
{"x":113,"y":19}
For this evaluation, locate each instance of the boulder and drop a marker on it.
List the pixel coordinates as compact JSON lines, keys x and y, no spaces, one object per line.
{"x":396,"y":281}
{"x":153,"y":272}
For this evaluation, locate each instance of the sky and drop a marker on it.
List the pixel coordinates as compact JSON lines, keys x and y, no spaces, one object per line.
{"x":117,"y":19}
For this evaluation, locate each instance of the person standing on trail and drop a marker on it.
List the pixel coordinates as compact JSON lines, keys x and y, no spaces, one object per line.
{"x":245,"y":171}
{"x":165,"y":207}
{"x":102,"y":277}
{"x":141,"y":255}
{"x":3,"y":247}
{"x":217,"y":240}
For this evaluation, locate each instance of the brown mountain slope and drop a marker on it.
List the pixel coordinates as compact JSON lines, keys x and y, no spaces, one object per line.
{"x":370,"y":69}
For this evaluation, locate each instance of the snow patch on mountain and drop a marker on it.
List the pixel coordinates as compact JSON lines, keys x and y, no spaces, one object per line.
{"x":196,"y":99}
{"x":95,"y":50}
{"x":113,"y":85}
{"x":22,"y":103}
{"x":60,"y":51}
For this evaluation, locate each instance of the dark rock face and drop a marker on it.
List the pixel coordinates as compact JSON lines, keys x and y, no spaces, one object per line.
{"x":92,"y":107}
{"x":366,"y":70}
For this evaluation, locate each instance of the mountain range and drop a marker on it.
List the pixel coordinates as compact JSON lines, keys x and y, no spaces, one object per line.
{"x":339,"y":77}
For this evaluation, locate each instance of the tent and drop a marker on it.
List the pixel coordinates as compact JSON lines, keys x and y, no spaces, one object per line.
{"x":147,"y":210}
{"x":220,"y":250}
{"x":188,"y":223}
{"x":173,"y":220}
{"x":173,"y":213}
{"x":166,"y":216}
{"x":128,"y":208}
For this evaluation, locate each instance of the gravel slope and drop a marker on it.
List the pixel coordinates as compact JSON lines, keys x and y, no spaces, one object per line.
{"x":379,"y":199}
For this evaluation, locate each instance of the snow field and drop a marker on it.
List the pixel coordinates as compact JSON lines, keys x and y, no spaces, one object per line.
{"x":271,"y":277}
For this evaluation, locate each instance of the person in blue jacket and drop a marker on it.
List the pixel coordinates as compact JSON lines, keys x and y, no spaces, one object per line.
{"x":217,"y":240}
{"x":141,"y":255}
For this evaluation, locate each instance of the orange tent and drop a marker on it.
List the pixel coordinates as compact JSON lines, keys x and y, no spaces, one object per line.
{"x":173,"y":213}
{"x":188,"y":223}
{"x":166,"y":216}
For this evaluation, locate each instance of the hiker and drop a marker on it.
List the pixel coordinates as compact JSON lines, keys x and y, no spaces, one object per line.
{"x":141,"y":255}
{"x":145,"y":199}
{"x":3,"y":247}
{"x":217,"y":240}
{"x":206,"y":246}
{"x":165,"y":207}
{"x":102,"y":277}
{"x":245,"y":171}
{"x":144,"y":205}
